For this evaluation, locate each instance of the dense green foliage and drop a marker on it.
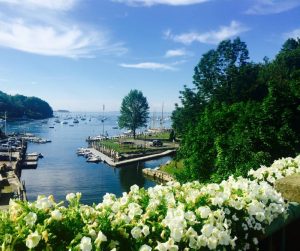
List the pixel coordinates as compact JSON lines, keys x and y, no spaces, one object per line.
{"x":19,"y":106}
{"x":239,"y":114}
{"x":134,"y":111}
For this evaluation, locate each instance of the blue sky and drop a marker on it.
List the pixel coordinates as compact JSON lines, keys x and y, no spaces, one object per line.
{"x":80,"y":54}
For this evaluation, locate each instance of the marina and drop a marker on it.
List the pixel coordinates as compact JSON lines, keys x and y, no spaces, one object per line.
{"x":62,"y":171}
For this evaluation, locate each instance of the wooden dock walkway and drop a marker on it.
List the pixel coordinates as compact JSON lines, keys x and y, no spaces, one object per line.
{"x":110,"y":161}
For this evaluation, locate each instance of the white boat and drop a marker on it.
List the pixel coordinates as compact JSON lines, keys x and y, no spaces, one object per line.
{"x":57,"y":121}
{"x":75,"y":121}
{"x":65,"y":122}
{"x":93,"y":159}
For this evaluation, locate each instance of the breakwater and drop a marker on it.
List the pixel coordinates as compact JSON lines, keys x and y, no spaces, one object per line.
{"x":158,"y":175}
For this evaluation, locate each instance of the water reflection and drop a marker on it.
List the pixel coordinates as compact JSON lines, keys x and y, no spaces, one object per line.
{"x":131,"y":175}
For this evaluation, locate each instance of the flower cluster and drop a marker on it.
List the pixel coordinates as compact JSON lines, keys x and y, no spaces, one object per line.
{"x":192,"y":216}
{"x":279,"y":169}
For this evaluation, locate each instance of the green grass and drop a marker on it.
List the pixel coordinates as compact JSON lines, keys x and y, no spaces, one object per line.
{"x":161,"y":135}
{"x":173,"y":168}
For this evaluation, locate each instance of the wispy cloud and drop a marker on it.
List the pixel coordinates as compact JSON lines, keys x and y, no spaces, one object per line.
{"x":150,"y":66}
{"x":292,"y":34}
{"x":176,"y":53}
{"x":54,"y":40}
{"x":211,"y":37}
{"x":266,"y":7}
{"x":45,"y":4}
{"x":50,"y":33}
{"x":156,"y":2}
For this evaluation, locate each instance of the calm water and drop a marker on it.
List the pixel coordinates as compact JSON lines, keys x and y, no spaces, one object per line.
{"x":61,"y":171}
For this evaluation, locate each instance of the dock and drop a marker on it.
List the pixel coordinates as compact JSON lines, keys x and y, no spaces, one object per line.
{"x":13,"y":159}
{"x":113,"y":163}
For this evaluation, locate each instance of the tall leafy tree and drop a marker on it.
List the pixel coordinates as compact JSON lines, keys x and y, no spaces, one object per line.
{"x":248,"y":114}
{"x":134,"y":111}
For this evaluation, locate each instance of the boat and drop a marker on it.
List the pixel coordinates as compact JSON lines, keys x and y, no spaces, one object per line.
{"x":71,"y":125}
{"x":93,"y":159}
{"x":57,"y":121}
{"x":75,"y":121}
{"x":115,"y":127}
{"x":65,"y":122}
{"x":51,"y":126}
{"x":35,"y":154}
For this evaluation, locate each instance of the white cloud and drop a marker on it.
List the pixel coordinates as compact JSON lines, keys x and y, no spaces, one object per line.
{"x":292,"y":34}
{"x":156,"y":2}
{"x":44,"y":4}
{"x":149,"y":66}
{"x":176,"y":53}
{"x":265,"y":7}
{"x":54,"y":40}
{"x":210,"y":37}
{"x":37,"y":26}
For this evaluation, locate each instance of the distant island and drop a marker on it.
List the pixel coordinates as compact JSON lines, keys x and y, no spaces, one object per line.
{"x":65,"y":111}
{"x":19,"y":106}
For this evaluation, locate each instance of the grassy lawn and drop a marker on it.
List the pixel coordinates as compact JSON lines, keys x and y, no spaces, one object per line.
{"x":164,"y":136}
{"x":139,"y":144}
{"x":173,"y":168}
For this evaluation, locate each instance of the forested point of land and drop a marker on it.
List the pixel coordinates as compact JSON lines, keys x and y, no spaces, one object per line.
{"x":19,"y":106}
{"x":238,"y":114}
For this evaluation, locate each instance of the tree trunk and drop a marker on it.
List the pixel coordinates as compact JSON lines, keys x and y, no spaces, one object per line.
{"x":133,"y":133}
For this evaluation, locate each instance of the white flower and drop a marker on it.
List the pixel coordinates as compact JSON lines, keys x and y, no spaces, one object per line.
{"x":56,"y":215}
{"x":167,"y":246}
{"x":43,"y":203}
{"x":255,"y":241}
{"x":86,"y":244}
{"x":70,"y":196}
{"x":33,"y":240}
{"x":145,"y":230}
{"x":134,"y":188}
{"x":204,"y":212}
{"x":100,"y":238}
{"x":145,"y":248}
{"x":207,"y":229}
{"x":136,"y":233}
{"x":30,"y":219}
{"x":212,"y":243}
{"x":177,"y":233}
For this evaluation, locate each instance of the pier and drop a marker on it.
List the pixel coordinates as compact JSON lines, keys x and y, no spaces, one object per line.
{"x":117,"y":163}
{"x":13,"y":159}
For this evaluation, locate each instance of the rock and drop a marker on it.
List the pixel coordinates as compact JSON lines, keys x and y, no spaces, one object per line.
{"x":289,"y":187}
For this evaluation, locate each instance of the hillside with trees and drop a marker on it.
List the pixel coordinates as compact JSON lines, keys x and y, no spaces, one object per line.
{"x":19,"y":106}
{"x":239,"y":114}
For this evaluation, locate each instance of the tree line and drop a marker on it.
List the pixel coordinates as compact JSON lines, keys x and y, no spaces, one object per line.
{"x":19,"y":106}
{"x":238,"y":114}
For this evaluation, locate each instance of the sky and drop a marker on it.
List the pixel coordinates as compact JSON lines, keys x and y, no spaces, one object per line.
{"x":81,"y":54}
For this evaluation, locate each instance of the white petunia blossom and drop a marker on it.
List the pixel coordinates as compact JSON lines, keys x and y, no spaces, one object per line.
{"x":85,"y":244}
{"x":30,"y":219}
{"x":33,"y":240}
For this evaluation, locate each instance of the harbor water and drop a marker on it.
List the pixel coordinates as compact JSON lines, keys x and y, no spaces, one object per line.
{"x":61,"y":171}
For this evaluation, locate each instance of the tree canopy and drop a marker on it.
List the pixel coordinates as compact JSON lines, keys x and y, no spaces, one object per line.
{"x":19,"y":106}
{"x":239,"y":114}
{"x":134,"y":111}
